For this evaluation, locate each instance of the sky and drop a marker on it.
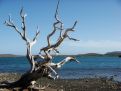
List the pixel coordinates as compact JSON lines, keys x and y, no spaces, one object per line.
{"x":98,"y":27}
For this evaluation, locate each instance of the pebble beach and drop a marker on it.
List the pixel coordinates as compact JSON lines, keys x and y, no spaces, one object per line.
{"x":85,"y":84}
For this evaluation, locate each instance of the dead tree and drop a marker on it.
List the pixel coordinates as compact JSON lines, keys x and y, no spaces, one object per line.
{"x":47,"y":67}
{"x":23,"y":35}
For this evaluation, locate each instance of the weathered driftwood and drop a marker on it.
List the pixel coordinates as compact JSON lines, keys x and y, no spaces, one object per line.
{"x":46,"y":67}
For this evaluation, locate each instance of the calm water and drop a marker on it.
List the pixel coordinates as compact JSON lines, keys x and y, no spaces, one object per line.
{"x":89,"y":67}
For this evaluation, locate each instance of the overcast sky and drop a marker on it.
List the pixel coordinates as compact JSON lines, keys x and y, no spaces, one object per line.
{"x":98,"y":27}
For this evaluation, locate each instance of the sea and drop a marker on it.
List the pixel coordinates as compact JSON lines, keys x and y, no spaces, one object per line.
{"x":88,"y":67}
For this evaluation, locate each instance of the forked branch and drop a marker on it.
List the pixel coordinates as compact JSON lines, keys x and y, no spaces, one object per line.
{"x":57,"y":25}
{"x":60,"y":39}
{"x":11,"y":24}
{"x":24,"y":37}
{"x":46,"y":67}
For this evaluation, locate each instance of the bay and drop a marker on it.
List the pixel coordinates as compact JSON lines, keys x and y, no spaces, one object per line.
{"x":88,"y":67}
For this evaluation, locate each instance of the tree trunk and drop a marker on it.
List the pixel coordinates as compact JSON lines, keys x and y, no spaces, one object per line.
{"x":27,"y":78}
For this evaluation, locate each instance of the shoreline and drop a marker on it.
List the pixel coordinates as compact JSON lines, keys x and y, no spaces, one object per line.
{"x":82,"y":84}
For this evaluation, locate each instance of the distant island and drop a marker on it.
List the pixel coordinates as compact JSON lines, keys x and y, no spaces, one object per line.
{"x":8,"y":55}
{"x":91,"y":54}
{"x":110,"y":54}
{"x":114,"y":53}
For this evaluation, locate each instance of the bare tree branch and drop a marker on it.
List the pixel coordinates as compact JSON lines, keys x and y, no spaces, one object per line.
{"x":11,"y":24}
{"x":24,"y":37}
{"x":23,"y":16}
{"x":45,"y":67}
{"x":72,"y":39}
{"x":52,"y":66}
{"x":37,"y":34}
{"x":61,"y":39}
{"x":55,"y":27}
{"x":58,"y":25}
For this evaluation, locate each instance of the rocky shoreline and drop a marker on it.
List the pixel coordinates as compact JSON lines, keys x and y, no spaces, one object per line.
{"x":85,"y":84}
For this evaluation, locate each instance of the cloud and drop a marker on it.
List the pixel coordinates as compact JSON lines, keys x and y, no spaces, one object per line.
{"x":98,"y":46}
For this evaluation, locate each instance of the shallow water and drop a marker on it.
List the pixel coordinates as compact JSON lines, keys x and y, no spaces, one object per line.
{"x":88,"y":67}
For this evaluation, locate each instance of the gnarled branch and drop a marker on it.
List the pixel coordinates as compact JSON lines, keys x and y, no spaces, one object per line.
{"x":11,"y":24}
{"x":60,"y":39}
{"x":55,"y":25}
{"x":58,"y":25}
{"x":45,"y":68}
{"x":24,"y":37}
